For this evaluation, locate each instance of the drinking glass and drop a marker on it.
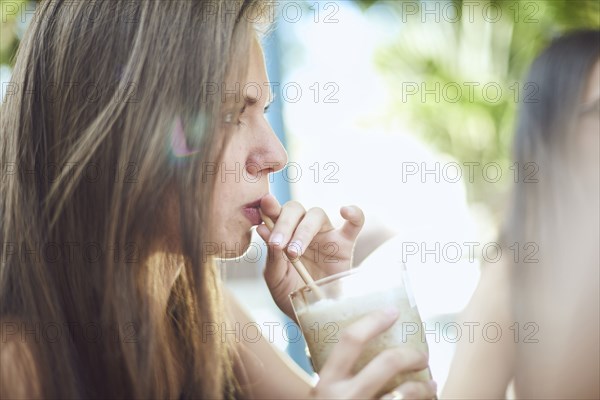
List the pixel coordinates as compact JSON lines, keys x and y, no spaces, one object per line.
{"x":347,"y":296}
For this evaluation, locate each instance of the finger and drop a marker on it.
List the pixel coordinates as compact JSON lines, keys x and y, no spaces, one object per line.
{"x":290,"y":216}
{"x":315,"y":220}
{"x":273,"y":272}
{"x":277,"y":268}
{"x":270,"y":206}
{"x":413,"y":390}
{"x":395,"y":395}
{"x":352,"y":341}
{"x":355,"y":219}
{"x":386,"y":365}
{"x":263,"y":232}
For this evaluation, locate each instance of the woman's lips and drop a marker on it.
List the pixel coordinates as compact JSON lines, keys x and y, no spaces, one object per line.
{"x":251,"y":212}
{"x":253,"y":215}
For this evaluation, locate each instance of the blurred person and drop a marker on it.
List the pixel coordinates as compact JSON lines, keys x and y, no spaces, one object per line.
{"x":544,"y":293}
{"x":149,"y":189}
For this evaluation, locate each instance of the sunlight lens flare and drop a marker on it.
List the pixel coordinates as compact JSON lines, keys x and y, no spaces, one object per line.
{"x":179,"y":146}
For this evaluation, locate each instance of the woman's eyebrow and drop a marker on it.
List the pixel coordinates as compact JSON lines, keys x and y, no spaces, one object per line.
{"x":251,"y":100}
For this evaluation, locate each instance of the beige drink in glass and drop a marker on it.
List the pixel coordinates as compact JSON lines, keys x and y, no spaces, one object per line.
{"x":350,"y":295}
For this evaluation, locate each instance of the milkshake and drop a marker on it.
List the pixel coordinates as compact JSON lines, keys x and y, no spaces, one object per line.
{"x":347,"y":297}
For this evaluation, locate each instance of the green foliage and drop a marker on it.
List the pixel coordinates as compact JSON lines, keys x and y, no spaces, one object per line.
{"x":10,"y":16}
{"x":469,"y":50}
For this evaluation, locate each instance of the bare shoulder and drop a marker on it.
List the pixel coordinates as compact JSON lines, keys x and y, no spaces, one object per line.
{"x":19,"y":372}
{"x":492,"y":298}
{"x":472,"y":375}
{"x":497,"y":275}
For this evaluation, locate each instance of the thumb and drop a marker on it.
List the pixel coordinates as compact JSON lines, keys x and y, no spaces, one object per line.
{"x":355,"y":219}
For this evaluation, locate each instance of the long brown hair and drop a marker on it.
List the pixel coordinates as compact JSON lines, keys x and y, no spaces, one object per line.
{"x":90,"y":177}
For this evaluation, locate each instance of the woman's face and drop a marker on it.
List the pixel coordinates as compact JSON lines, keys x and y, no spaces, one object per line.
{"x":587,"y":132}
{"x":252,"y":152}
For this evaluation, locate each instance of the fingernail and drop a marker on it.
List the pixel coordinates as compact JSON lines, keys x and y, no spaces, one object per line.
{"x":391,"y":312}
{"x":295,"y":247}
{"x":433,"y":385}
{"x":276,"y":238}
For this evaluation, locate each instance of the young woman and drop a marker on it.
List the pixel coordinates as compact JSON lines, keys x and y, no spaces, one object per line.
{"x":120,"y":129}
{"x":544,"y":293}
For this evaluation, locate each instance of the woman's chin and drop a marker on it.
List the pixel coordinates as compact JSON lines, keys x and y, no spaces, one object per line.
{"x":236,"y":249}
{"x":244,"y":244}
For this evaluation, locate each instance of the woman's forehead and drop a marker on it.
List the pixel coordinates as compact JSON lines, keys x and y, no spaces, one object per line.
{"x":257,"y":81}
{"x":257,"y":67}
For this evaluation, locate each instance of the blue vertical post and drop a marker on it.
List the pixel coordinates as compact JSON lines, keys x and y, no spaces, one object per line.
{"x":280,"y":188}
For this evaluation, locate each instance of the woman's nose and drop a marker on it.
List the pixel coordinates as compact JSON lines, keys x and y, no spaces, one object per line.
{"x":272,"y":154}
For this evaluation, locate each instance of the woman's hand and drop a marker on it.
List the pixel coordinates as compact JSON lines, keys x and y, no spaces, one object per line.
{"x":336,"y":377}
{"x":323,"y":249}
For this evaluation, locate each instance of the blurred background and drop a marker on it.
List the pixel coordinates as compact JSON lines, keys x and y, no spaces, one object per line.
{"x":405,"y":108}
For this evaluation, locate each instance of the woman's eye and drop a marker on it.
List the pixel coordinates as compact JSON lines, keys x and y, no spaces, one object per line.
{"x":230,"y":117}
{"x":239,"y":121}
